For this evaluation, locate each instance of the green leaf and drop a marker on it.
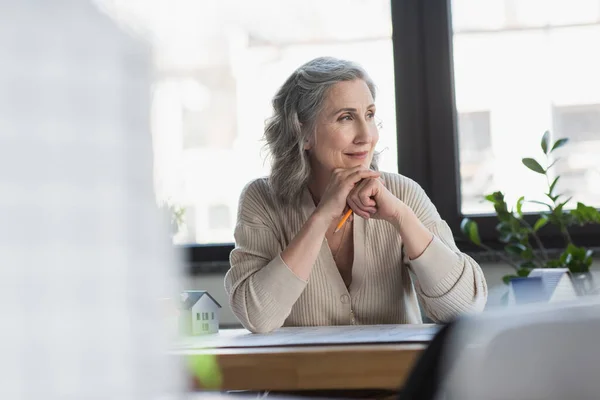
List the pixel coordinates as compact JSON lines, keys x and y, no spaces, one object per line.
{"x":553,"y":185}
{"x":566,"y":257}
{"x":527,"y":254}
{"x":503,"y":227}
{"x":524,"y":272}
{"x":564,"y":203}
{"x":545,"y":140}
{"x":559,"y":143}
{"x":571,"y":248}
{"x":577,"y":252}
{"x":585,"y":214}
{"x":496,"y":198}
{"x":470,"y":229}
{"x":528,"y":265}
{"x":520,"y":206}
{"x":490,"y":198}
{"x":587,"y":260}
{"x":554,"y":264}
{"x":542,"y":220}
{"x":507,"y":278}
{"x":533,"y":165}
{"x":515,"y":248}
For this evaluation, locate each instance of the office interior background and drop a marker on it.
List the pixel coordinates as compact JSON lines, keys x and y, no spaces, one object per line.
{"x":466,"y":88}
{"x":520,"y":67}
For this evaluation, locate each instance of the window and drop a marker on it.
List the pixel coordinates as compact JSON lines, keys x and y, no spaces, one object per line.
{"x":476,"y":91}
{"x":579,"y":163}
{"x":205,"y":327}
{"x":218,"y":64}
{"x":476,"y":160}
{"x":197,"y":316}
{"x":219,"y":217}
{"x":554,"y":13}
{"x":494,"y":15}
{"x":477,"y":14}
{"x":519,"y":73}
{"x":580,"y":123}
{"x":212,"y":315}
{"x":466,"y":90}
{"x":204,"y":316}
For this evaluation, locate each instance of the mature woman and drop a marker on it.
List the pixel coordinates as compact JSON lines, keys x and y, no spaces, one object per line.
{"x":290,"y":267}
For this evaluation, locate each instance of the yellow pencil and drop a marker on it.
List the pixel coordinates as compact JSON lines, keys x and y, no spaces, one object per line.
{"x":344,"y":218}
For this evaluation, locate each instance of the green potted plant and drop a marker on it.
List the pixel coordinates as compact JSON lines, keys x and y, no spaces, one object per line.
{"x":174,"y":215}
{"x":523,"y":248}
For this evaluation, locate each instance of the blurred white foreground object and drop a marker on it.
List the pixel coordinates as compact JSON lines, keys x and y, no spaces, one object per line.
{"x":544,"y":351}
{"x":84,"y":259}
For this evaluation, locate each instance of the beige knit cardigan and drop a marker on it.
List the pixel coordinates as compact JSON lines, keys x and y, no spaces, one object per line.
{"x":386,"y":286}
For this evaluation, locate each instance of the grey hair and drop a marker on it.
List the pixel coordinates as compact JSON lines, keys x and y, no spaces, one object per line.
{"x":295,"y":109}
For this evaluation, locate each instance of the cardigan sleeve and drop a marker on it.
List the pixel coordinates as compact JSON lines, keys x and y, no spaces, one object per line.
{"x":448,"y":282}
{"x":262,"y":289}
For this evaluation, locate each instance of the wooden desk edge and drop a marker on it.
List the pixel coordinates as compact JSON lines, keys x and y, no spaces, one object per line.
{"x":361,"y":366}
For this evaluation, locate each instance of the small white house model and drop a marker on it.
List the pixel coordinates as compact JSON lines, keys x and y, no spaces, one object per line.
{"x":199,"y":313}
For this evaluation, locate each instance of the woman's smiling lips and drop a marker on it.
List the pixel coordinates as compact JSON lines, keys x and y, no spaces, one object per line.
{"x":358,"y":155}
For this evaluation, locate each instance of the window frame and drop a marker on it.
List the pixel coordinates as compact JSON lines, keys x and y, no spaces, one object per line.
{"x":426,"y":121}
{"x":428,"y":127}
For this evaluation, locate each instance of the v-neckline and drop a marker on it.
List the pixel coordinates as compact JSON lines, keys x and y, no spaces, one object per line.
{"x":358,"y":262}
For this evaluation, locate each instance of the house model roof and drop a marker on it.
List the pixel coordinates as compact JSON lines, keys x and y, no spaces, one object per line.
{"x":550,"y":278}
{"x":543,"y":285}
{"x":191,"y":297}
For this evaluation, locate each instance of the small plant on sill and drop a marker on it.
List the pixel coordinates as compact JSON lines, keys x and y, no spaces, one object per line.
{"x":174,"y":215}
{"x":519,"y":236}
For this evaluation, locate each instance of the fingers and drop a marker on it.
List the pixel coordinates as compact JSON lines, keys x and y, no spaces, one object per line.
{"x":365,"y":191}
{"x":346,"y":179}
{"x":360,"y":198}
{"x":343,"y":181}
{"x":364,"y":212}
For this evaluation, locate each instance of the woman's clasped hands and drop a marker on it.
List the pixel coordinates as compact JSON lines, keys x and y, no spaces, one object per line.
{"x":362,"y":190}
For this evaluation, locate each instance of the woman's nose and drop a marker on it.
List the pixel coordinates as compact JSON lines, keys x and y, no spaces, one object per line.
{"x":364,"y":132}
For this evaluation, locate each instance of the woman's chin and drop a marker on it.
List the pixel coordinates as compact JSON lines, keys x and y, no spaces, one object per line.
{"x":366,"y":163}
{"x":358,"y":163}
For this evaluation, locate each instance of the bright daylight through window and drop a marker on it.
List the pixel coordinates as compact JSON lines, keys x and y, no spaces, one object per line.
{"x":218,"y":64}
{"x":523,"y":67}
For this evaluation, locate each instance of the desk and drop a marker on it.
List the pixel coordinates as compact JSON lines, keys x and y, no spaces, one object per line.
{"x":314,"y":367}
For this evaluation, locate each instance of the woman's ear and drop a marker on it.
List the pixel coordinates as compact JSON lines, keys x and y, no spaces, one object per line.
{"x":307,"y":144}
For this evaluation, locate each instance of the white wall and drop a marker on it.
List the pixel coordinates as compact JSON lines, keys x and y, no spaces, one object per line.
{"x":214,"y":284}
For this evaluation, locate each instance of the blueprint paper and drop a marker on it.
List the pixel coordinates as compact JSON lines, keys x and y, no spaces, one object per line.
{"x":321,"y":335}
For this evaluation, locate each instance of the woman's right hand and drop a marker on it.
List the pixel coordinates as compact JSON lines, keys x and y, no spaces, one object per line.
{"x":333,"y":201}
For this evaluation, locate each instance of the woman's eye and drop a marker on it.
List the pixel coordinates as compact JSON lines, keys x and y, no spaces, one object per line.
{"x":371,"y":115}
{"x":345,"y":118}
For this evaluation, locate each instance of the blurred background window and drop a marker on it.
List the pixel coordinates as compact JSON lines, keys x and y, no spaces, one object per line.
{"x":217,"y":65}
{"x":522,"y":67}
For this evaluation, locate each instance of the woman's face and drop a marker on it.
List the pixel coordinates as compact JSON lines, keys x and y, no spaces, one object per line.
{"x":346,"y":132}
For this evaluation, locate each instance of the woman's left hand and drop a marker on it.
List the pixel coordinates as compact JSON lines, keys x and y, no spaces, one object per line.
{"x":371,"y":199}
